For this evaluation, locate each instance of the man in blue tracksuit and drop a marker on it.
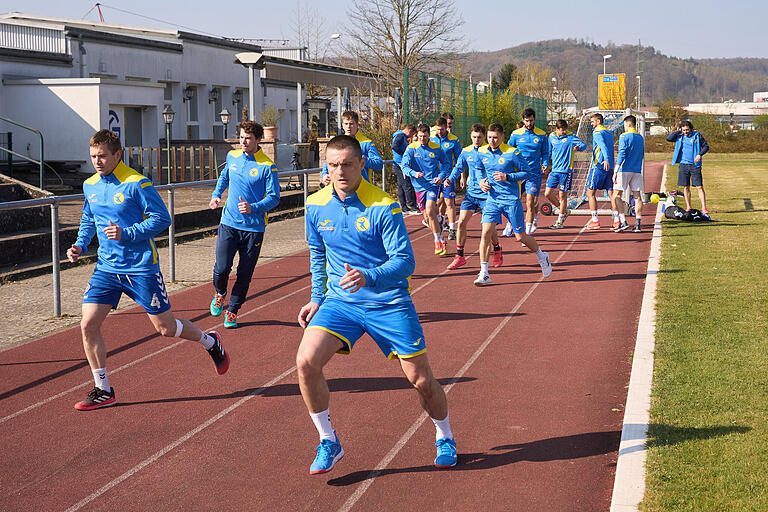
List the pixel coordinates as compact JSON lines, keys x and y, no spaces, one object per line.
{"x":690,"y":146}
{"x":361,"y":261}
{"x":254,"y":189}
{"x":534,"y":146}
{"x":125,"y":211}
{"x":350,"y":122}
{"x":561,"y":147}
{"x":451,"y":146}
{"x":600,"y":175}
{"x":629,"y":172}
{"x":405,"y":193}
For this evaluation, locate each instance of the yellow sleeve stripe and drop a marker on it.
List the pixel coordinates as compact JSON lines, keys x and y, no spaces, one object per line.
{"x":146,"y":184}
{"x":396,"y":210}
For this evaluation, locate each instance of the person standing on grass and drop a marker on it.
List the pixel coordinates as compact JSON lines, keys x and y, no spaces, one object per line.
{"x":629,"y":172}
{"x":125,"y":211}
{"x":361,"y":260}
{"x":405,"y":193}
{"x":690,"y":146}
{"x":254,"y":189}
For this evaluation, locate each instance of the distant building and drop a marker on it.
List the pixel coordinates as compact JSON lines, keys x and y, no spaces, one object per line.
{"x":760,"y":97}
{"x":736,"y":114}
{"x":562,"y":105}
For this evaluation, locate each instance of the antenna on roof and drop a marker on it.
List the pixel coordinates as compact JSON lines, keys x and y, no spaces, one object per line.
{"x":96,"y":6}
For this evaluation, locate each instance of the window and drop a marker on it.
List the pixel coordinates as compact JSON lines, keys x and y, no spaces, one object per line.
{"x":168,"y":93}
{"x":192,"y":105}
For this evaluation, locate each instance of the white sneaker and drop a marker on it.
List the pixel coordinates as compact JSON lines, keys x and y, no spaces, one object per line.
{"x":414,"y":212}
{"x":534,"y":227}
{"x":425,"y":223}
{"x":482,"y":279}
{"x":546,"y":266}
{"x":508,"y":230}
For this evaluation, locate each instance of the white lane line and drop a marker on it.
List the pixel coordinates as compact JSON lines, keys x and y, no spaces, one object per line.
{"x":629,"y":484}
{"x":140,"y":360}
{"x":383,"y":463}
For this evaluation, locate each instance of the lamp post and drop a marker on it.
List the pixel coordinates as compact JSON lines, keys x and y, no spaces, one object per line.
{"x":168,"y":115}
{"x":638,"y":92}
{"x":605,"y":58}
{"x":224,"y":115}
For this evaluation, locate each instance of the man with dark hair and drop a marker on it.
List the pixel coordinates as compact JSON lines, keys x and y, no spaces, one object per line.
{"x":503,"y":170}
{"x":534,"y":146}
{"x":405,"y":193}
{"x":629,"y":172}
{"x":600,"y":175}
{"x":561,"y":147}
{"x":125,"y":211}
{"x":690,"y":146}
{"x":427,"y":166}
{"x":451,"y":146}
{"x":350,"y":122}
{"x":254,"y":189}
{"x":360,"y":284}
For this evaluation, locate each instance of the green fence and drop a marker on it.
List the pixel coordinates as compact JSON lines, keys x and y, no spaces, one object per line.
{"x":427,"y":95}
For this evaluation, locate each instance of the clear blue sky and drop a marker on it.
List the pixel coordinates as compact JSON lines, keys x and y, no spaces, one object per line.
{"x":699,"y":29}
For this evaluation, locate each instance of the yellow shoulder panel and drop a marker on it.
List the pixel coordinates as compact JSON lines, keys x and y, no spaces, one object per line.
{"x":538,"y":131}
{"x":361,"y":138}
{"x":433,"y":145}
{"x":469,"y":148}
{"x":506,"y":148}
{"x":519,"y":131}
{"x":371,"y":195}
{"x":125,"y":174}
{"x":321,"y":197}
{"x":414,"y":145}
{"x":93,"y":179}
{"x":262,"y":159}
{"x":237,"y":152}
{"x":452,"y":137}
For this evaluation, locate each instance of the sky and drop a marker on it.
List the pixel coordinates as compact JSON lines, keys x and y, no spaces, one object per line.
{"x":698,"y":29}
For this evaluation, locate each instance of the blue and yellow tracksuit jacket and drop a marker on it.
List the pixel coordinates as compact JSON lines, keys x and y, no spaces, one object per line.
{"x":367,"y":231}
{"x":686,"y":148}
{"x":399,"y":145}
{"x":449,"y":144}
{"x":508,"y":160}
{"x":469,"y":159}
{"x":631,"y":152}
{"x":129,"y":200}
{"x":254,"y":178}
{"x":429,"y":159}
{"x":602,"y":147}
{"x":561,"y":150}
{"x":533,"y":145}
{"x":373,"y":160}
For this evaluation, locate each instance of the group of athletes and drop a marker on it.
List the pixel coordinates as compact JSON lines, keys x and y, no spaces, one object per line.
{"x":361,"y":257}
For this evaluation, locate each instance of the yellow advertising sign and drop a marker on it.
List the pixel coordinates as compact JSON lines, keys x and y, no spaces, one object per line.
{"x":611,"y":92}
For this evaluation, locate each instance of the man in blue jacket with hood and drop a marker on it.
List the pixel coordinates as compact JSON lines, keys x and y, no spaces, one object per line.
{"x":690,"y":146}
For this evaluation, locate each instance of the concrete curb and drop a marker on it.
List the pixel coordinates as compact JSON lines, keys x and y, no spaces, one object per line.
{"x":629,"y":485}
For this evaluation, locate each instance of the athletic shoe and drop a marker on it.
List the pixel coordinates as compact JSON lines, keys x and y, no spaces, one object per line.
{"x":458,"y":261}
{"x":482,"y":279}
{"x":440,"y":248}
{"x":230,"y":320}
{"x":508,"y":230}
{"x":216,"y":304}
{"x":556,"y":225}
{"x":498,"y":257}
{"x":414,"y":212}
{"x":616,"y":223}
{"x":636,"y":229}
{"x":593,"y":224}
{"x":96,"y":399}
{"x":451,"y":234}
{"x":444,"y":245}
{"x":546,"y":266}
{"x":446,"y":453}
{"x":623,"y":226}
{"x":425,"y":223}
{"x":328,"y":454}
{"x":217,"y":353}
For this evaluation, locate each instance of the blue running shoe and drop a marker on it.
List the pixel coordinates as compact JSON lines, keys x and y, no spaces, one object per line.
{"x":328,"y":453}
{"x":446,"y":453}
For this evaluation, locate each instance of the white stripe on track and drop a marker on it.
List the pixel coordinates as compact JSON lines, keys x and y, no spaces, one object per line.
{"x":383,"y":463}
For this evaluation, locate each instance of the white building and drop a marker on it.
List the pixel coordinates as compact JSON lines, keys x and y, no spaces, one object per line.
{"x":69,"y":78}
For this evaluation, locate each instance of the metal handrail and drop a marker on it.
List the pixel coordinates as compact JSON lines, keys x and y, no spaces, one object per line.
{"x":55,"y":201}
{"x":39,"y":134}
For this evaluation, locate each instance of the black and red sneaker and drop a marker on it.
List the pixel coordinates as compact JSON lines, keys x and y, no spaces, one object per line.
{"x":217,"y":353}
{"x":96,"y":399}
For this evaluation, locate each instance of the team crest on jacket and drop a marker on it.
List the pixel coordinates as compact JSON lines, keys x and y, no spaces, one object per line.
{"x":535,"y":140}
{"x":501,"y":160}
{"x":447,"y":145}
{"x":119,"y":198}
{"x":431,"y":155}
{"x":254,"y":172}
{"x":362,"y":224}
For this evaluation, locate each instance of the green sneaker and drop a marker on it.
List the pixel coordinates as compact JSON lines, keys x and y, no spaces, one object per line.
{"x":216,"y":304}
{"x":230,"y":320}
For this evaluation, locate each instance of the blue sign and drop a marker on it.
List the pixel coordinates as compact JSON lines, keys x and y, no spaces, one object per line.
{"x":610,"y":79}
{"x":113,"y":122}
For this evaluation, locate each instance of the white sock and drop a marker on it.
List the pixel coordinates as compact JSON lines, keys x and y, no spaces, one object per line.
{"x":100,"y":379}
{"x":451,"y":225}
{"x":322,"y":421}
{"x":528,"y":226}
{"x":443,"y":428}
{"x":614,"y":213}
{"x":509,"y":225}
{"x":536,"y":219}
{"x":637,"y":218}
{"x":207,"y":341}
{"x":560,"y":218}
{"x":437,"y":237}
{"x":622,"y":217}
{"x":594,"y":214}
{"x":484,"y":267}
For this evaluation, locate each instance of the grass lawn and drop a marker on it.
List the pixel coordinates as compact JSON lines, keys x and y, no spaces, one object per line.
{"x":708,"y":440}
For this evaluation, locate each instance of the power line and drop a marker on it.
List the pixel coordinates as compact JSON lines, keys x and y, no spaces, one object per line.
{"x":154,"y":19}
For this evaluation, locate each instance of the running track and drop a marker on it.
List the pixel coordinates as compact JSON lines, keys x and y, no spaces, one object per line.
{"x":536,"y":374}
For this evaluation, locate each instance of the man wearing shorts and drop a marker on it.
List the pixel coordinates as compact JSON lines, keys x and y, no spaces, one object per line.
{"x":561,"y":147}
{"x":690,"y":146}
{"x":534,"y":147}
{"x":629,"y":172}
{"x":361,"y":260}
{"x":474,"y":199}
{"x":125,"y":211}
{"x":600,"y":175}
{"x":451,"y":146}
{"x":503,"y":170}
{"x":427,"y":166}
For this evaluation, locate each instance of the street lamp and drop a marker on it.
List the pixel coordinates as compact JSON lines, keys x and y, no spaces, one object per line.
{"x":224,"y":115}
{"x":606,"y":57}
{"x":168,"y":115}
{"x":253,"y":61}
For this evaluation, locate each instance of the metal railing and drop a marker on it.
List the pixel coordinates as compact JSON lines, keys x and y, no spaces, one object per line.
{"x":54,"y":203}
{"x":39,"y":134}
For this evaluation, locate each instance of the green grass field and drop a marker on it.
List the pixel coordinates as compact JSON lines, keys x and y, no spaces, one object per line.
{"x":708,"y":440}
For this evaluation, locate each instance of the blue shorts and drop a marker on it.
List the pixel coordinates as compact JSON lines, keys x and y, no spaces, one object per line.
{"x":431,"y":194}
{"x":689,"y":174}
{"x":449,"y":191}
{"x":599,"y":179}
{"x":560,"y":180}
{"x":148,"y":290}
{"x":513,"y":212}
{"x":533,"y":186}
{"x":472,"y":203}
{"x":394,"y":327}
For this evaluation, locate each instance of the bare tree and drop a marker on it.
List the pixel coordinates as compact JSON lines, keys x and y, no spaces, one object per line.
{"x":310,"y":30}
